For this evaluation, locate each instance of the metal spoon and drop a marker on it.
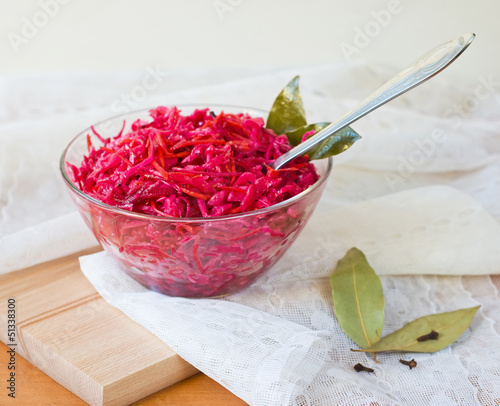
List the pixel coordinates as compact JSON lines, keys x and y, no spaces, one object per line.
{"x":418,"y":72}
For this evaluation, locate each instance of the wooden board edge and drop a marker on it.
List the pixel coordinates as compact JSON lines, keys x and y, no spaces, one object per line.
{"x":53,"y":262}
{"x":116,"y":394}
{"x":48,"y":361}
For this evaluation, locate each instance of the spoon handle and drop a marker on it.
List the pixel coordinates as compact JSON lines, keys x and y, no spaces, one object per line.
{"x":418,"y":72}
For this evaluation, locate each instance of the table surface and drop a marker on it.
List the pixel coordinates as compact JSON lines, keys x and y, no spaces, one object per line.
{"x":33,"y":387}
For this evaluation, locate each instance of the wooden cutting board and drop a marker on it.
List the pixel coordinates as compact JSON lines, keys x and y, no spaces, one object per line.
{"x":68,"y":331}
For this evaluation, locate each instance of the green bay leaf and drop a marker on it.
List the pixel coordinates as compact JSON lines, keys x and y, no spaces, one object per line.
{"x":287,"y":112}
{"x":295,"y":136}
{"x":450,"y":326}
{"x":358,"y":299}
{"x":333,"y":145}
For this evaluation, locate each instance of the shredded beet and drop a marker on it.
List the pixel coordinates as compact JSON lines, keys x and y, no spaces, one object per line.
{"x":191,"y":166}
{"x":200,"y":165}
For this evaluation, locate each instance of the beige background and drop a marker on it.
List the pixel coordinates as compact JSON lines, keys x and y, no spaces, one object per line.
{"x":76,"y":35}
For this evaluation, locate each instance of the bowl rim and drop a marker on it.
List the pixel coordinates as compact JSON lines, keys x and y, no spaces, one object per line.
{"x":143,"y":216}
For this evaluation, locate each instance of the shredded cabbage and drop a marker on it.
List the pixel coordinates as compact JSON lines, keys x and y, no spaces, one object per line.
{"x":199,"y":165}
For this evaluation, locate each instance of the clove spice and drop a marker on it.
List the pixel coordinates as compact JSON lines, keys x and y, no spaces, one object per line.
{"x":361,"y":368}
{"x":411,"y":364}
{"x":433,"y":335}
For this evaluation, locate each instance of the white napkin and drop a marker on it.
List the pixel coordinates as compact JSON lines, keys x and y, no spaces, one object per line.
{"x":418,"y":194}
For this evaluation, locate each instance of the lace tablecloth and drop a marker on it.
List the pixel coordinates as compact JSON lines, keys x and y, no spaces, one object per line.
{"x":418,"y":194}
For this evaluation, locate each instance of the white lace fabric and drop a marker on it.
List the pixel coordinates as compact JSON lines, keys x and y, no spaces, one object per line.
{"x":418,"y":194}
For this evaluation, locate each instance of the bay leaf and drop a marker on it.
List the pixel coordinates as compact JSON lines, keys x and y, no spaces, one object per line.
{"x":358,"y":299}
{"x":287,"y":113}
{"x":449,"y":326}
{"x":333,"y":145}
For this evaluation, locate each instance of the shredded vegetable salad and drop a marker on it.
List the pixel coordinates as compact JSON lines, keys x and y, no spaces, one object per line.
{"x":198,"y":165}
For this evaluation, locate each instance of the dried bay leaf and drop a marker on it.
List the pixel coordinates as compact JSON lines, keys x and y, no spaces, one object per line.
{"x":287,"y":116}
{"x":333,"y":145}
{"x":450,"y":326}
{"x":287,"y":113}
{"x":358,"y":299}
{"x":295,"y":136}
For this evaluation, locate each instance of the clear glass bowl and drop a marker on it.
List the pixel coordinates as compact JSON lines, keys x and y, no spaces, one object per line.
{"x":191,"y":257}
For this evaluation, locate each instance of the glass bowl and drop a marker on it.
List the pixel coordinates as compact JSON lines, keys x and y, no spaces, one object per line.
{"x":191,"y":257}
